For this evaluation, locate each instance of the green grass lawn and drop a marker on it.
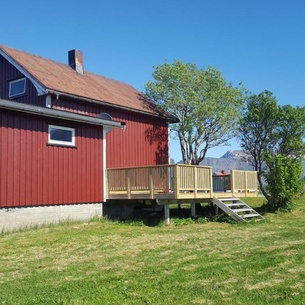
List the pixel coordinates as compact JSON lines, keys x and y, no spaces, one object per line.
{"x":103,"y":262}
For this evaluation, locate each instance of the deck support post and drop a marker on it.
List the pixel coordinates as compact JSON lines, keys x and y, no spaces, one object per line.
{"x":216,"y":210}
{"x":193,"y":209}
{"x":166,"y":214}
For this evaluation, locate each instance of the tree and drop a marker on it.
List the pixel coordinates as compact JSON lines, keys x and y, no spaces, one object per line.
{"x":274,"y":137}
{"x":290,"y":132}
{"x":207,"y":106}
{"x":256,"y":128}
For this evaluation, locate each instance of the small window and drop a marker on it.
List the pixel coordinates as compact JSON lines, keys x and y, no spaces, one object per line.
{"x":17,"y":87}
{"x":60,"y":135}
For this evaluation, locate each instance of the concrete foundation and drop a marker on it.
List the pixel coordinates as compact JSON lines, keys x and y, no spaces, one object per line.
{"x":17,"y":218}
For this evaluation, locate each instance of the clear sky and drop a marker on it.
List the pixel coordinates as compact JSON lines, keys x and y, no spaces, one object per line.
{"x":260,"y":43}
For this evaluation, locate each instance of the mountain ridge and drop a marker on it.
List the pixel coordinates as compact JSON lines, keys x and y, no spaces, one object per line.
{"x":231,"y":160}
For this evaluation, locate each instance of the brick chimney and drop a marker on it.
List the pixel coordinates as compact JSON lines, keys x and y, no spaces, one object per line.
{"x":76,"y":61}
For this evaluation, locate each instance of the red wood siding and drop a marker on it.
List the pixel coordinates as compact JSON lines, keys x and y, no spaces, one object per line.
{"x":7,"y":73}
{"x":33,"y":173}
{"x":144,"y":142}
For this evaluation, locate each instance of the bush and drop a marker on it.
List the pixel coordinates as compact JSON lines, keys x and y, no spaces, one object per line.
{"x":283,"y":181}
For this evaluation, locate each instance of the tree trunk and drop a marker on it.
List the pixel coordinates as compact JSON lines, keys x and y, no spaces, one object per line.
{"x":262,"y":187}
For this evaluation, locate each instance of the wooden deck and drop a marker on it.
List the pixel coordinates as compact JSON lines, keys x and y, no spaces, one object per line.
{"x":178,"y":182}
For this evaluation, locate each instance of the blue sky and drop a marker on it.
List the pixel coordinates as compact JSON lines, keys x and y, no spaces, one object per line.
{"x":260,"y":43}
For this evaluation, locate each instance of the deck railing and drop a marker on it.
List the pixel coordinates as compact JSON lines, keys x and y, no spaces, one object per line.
{"x":172,"y":181}
{"x":244,"y":182}
{"x":177,"y":181}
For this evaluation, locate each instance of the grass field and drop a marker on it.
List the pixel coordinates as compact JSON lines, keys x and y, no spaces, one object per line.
{"x":103,"y":262}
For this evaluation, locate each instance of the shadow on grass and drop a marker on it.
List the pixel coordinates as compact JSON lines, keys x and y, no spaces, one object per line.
{"x":262,"y":210}
{"x":149,"y":216}
{"x":152,"y":217}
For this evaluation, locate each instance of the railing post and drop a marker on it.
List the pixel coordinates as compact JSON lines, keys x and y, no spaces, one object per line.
{"x":211,"y":183}
{"x":246,"y":183}
{"x":195,"y":181}
{"x":171,"y":186}
{"x":177,"y":181}
{"x":232,"y":181}
{"x":107,"y":183}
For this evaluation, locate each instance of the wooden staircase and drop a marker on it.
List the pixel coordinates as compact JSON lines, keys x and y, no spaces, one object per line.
{"x":236,"y":208}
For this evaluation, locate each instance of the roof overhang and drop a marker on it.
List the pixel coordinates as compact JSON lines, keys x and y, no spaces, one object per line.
{"x":58,"y":114}
{"x":170,"y":117}
{"x":39,"y":87}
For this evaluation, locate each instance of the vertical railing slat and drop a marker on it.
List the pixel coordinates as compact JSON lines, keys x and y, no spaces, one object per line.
{"x":128,"y":183}
{"x":195,"y":181}
{"x":151,"y":184}
{"x":177,"y":181}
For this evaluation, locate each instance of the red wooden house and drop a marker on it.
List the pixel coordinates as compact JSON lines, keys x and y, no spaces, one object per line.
{"x":54,"y":139}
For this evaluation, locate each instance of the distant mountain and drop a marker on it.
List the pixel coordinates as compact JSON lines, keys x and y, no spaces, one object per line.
{"x":236,"y":154}
{"x":232,"y":159}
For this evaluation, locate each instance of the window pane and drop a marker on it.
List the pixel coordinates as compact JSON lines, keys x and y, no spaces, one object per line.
{"x":17,"y":87}
{"x":60,"y":135}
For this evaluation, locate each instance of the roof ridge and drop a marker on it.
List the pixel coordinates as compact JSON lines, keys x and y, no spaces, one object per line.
{"x":63,"y":64}
{"x":51,"y":75}
{"x":30,"y":54}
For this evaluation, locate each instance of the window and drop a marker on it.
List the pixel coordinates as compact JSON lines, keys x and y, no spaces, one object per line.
{"x":17,"y":87}
{"x":60,"y":135}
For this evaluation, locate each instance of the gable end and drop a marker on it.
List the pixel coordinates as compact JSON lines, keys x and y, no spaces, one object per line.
{"x":41,"y":90}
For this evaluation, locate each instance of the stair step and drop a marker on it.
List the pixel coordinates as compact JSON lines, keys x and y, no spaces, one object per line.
{"x":242,"y":210}
{"x":235,"y":204}
{"x":238,"y":209}
{"x":228,"y":199}
{"x":250,"y":215}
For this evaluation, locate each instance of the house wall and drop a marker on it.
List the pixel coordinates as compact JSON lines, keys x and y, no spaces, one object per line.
{"x":144,"y":142}
{"x":34,"y":173}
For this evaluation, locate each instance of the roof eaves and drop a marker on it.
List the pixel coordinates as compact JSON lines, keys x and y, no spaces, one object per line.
{"x":170,"y":118}
{"x":59,"y":114}
{"x":39,"y":87}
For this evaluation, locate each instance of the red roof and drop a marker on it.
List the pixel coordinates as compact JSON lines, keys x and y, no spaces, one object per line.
{"x":222,"y":173}
{"x":59,"y":77}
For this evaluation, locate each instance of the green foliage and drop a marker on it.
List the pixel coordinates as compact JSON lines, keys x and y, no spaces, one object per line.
{"x":274,"y":137}
{"x":290,"y":132}
{"x":283,"y":180}
{"x":257,"y":126}
{"x":207,"y":106}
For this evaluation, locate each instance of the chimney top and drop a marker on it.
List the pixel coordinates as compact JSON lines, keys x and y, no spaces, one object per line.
{"x":76,"y":61}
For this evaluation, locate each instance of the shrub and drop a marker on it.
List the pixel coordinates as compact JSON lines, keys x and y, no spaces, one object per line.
{"x":283,"y":181}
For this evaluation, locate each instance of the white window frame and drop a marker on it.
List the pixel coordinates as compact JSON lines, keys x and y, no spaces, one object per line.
{"x":17,"y":81}
{"x":58,"y":142}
